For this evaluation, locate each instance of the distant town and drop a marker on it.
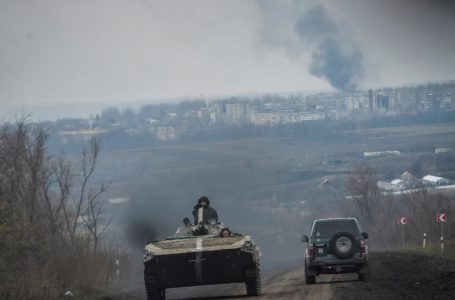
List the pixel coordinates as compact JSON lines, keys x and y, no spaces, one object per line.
{"x":433,"y":102}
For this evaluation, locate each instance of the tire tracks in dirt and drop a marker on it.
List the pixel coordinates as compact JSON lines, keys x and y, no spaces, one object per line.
{"x":283,"y":283}
{"x":287,"y":284}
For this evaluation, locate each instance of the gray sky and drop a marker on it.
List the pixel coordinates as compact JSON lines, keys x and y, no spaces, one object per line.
{"x":78,"y":56}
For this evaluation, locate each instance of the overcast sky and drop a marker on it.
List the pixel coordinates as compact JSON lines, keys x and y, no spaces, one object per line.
{"x":78,"y":56}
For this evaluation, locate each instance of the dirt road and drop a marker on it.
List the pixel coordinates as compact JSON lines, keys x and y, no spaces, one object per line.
{"x":394,"y":275}
{"x":287,"y":284}
{"x":276,"y":285}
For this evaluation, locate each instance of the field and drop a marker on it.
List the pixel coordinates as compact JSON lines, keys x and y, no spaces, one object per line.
{"x":270,"y":187}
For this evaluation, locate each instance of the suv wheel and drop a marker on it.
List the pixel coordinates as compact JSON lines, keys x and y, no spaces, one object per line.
{"x":364,"y":275}
{"x":343,"y":244}
{"x":309,"y":279}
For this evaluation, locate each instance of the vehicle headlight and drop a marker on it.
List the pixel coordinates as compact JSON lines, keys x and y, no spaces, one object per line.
{"x":248,"y":245}
{"x":147,"y":254}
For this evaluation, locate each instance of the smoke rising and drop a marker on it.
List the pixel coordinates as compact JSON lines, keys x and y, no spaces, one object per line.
{"x":333,"y":57}
{"x":144,"y":220}
{"x":139,"y":232}
{"x":315,"y":25}
{"x":340,"y":69}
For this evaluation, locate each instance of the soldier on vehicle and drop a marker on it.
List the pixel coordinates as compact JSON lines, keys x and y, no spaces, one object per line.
{"x":187,"y":222}
{"x":185,"y":230}
{"x":203,"y":213}
{"x":225,"y":232}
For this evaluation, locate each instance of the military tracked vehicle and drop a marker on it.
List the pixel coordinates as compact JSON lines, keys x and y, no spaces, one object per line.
{"x":199,"y":255}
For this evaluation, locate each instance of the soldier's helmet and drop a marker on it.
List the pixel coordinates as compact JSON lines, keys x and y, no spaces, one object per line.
{"x":203,"y":199}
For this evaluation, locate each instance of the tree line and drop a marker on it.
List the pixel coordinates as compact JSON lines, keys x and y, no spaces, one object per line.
{"x":51,"y":217}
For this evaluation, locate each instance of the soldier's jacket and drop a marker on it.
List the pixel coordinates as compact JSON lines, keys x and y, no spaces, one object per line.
{"x":207,"y":213}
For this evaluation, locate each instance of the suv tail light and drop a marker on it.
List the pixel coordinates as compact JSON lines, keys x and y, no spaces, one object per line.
{"x":311,"y":251}
{"x":363,"y":247}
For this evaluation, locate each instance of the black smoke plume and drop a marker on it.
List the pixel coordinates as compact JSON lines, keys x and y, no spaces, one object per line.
{"x":333,"y":58}
{"x":140,"y":232}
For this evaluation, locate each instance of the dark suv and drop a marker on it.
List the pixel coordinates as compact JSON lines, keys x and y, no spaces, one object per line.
{"x":335,"y":246}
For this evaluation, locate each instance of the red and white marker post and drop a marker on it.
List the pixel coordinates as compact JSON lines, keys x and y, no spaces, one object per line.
{"x":402,"y":221}
{"x":441,"y":218}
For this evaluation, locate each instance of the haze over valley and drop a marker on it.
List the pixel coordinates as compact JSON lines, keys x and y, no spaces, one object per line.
{"x":117,"y":116}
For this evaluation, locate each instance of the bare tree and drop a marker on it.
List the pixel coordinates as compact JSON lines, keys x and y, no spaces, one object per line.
{"x":94,"y":212}
{"x":60,"y":176}
{"x":90,"y":205}
{"x":362,"y":187}
{"x":87,"y":163}
{"x":38,"y":220}
{"x":23,"y":175}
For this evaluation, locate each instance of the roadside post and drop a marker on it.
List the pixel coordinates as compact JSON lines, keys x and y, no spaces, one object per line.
{"x":424,"y":243}
{"x":402,"y":221}
{"x":117,"y":269}
{"x":441,"y":218}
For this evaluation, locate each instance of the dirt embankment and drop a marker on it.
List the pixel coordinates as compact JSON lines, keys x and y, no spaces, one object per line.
{"x":403,"y":275}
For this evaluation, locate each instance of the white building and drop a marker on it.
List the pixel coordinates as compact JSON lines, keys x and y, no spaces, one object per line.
{"x":266,"y":118}
{"x":393,"y":186}
{"x":166,"y":133}
{"x":381,"y":153}
{"x":236,"y":113}
{"x":435,"y":180}
{"x":442,"y":150}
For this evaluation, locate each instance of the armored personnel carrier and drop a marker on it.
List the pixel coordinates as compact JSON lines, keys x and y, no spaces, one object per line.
{"x":200,"y":255}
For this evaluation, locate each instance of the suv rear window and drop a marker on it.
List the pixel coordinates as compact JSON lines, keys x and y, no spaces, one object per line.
{"x":326,"y":229}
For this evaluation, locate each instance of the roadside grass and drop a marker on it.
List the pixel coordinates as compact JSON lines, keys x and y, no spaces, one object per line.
{"x":432,"y":249}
